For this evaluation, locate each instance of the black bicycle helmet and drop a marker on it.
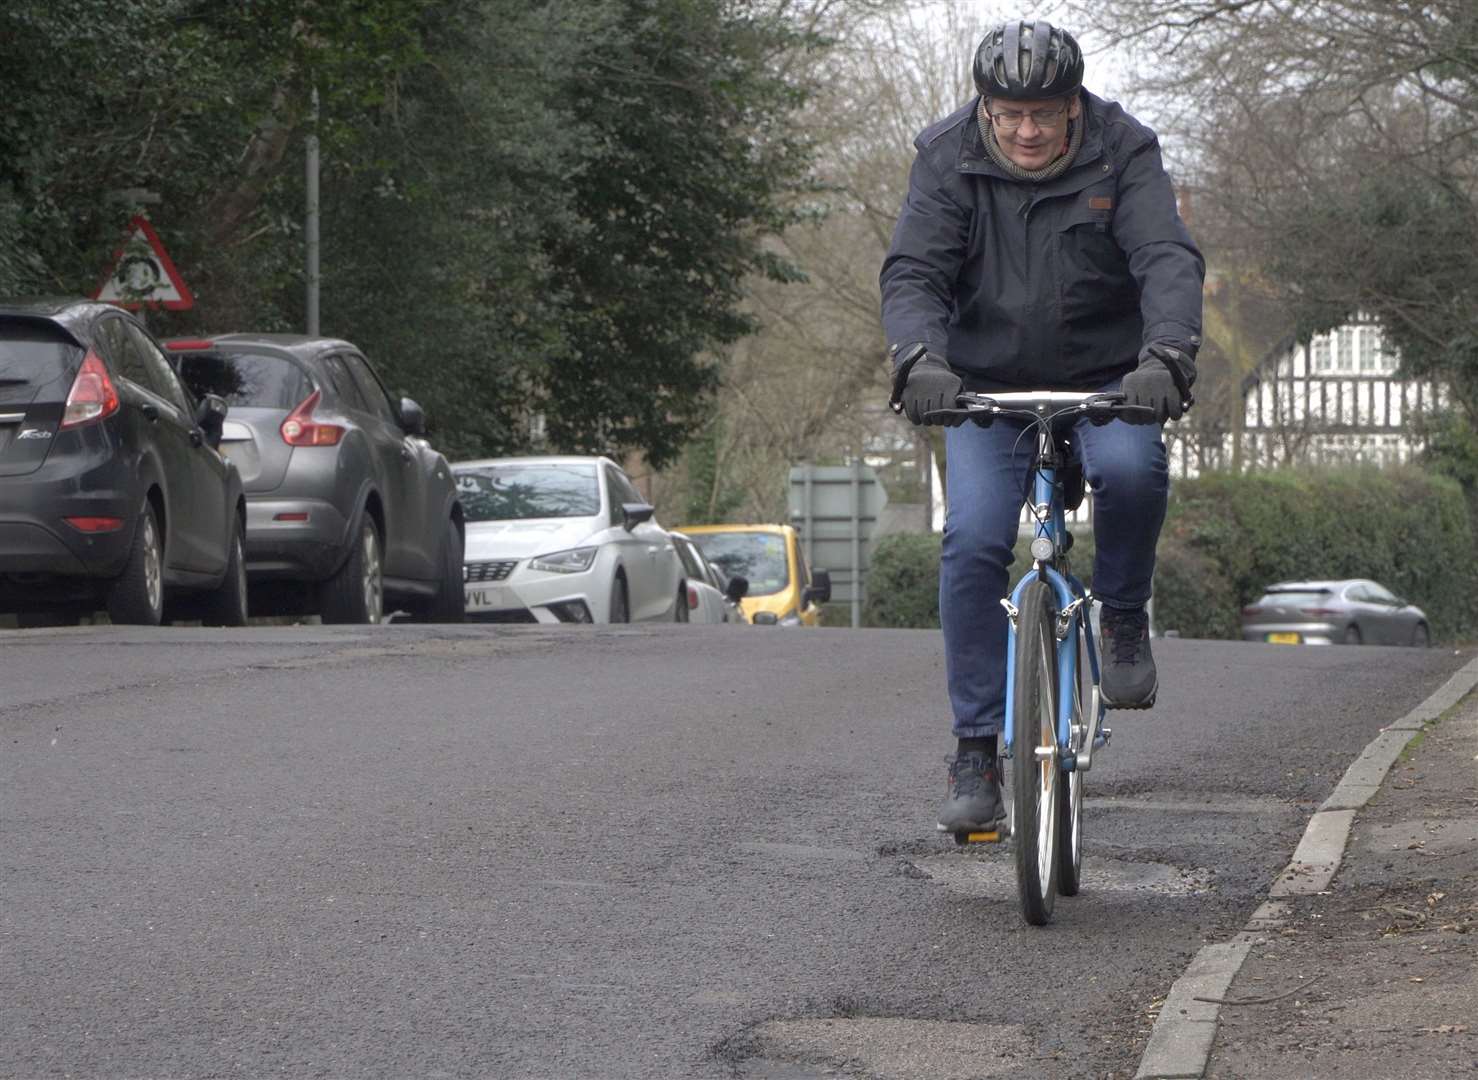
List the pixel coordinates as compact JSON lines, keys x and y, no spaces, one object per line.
{"x":1028,"y":61}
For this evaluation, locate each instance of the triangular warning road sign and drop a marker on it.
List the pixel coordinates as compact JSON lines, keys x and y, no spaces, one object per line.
{"x":143,"y":274}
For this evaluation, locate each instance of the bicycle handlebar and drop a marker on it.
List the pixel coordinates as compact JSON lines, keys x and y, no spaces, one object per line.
{"x":1042,"y":404}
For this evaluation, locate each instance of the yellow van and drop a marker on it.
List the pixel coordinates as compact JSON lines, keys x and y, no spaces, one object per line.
{"x":782,"y":589}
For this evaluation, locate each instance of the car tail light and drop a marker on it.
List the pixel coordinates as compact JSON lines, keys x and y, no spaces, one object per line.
{"x":93,"y":395}
{"x":1319,"y":610}
{"x":299,"y":429}
{"x":1251,"y":609}
{"x":94,"y":524}
{"x":188,"y":344}
{"x":692,"y":598}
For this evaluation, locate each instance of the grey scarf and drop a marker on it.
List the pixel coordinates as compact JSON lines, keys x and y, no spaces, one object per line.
{"x":1048,"y":172}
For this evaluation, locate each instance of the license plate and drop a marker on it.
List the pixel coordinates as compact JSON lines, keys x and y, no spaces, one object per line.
{"x":1284,"y":639}
{"x":487,"y":598}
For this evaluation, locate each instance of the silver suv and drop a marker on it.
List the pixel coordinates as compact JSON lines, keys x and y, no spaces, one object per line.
{"x":343,"y":491}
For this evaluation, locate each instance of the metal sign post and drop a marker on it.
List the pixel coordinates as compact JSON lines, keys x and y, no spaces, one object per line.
{"x":836,"y":510}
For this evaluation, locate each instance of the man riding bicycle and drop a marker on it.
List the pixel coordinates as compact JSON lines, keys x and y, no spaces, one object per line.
{"x":1039,"y":247}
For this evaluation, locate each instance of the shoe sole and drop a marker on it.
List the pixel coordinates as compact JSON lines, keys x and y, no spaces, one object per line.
{"x":982,"y":829}
{"x":1147,"y":703}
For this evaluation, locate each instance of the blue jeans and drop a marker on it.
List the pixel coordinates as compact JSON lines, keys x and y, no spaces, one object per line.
{"x":1126,"y":469}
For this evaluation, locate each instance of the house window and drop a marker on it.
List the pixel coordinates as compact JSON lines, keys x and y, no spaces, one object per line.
{"x":1321,"y":353}
{"x":1369,"y":349}
{"x":1345,"y":353}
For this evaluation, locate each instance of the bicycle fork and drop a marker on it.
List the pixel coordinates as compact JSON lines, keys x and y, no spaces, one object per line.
{"x":1090,"y":733}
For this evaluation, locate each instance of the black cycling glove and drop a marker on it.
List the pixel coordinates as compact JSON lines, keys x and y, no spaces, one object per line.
{"x":929,"y":385}
{"x":1161,"y":382}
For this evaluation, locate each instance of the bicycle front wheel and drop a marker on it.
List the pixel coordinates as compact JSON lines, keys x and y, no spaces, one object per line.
{"x":1035,"y":769}
{"x":1070,"y":786}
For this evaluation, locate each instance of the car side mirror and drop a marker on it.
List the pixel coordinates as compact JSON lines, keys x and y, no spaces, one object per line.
{"x":633,"y":514}
{"x":820,"y":589}
{"x":412,"y":417}
{"x":210,"y":417}
{"x":737,"y":588}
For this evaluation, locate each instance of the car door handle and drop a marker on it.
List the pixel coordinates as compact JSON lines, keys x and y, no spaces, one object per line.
{"x":196,"y":438}
{"x":151,"y":412}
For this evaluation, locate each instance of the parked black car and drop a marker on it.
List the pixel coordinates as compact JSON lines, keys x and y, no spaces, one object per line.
{"x":112,"y":490}
{"x":344,"y":493}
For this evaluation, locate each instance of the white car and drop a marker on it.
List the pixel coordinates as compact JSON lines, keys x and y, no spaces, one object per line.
{"x":564,"y":540}
{"x":711,"y":599}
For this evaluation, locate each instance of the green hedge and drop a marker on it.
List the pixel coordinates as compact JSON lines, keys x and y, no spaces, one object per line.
{"x":903,"y":582}
{"x":1226,"y":537}
{"x":903,"y":579}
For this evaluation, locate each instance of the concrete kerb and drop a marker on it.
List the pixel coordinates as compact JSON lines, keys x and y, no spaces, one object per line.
{"x":1180,"y":1042}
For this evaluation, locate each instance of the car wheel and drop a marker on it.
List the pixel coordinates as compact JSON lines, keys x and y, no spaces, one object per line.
{"x":449,"y":605}
{"x":680,"y":610}
{"x":1352,"y":636}
{"x":136,"y":597}
{"x":620,"y":601}
{"x":1421,"y":637}
{"x":225,"y":605}
{"x":356,"y":591}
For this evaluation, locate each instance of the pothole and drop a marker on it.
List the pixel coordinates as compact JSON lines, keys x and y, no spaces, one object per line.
{"x":885,"y":1048}
{"x":996,"y":878}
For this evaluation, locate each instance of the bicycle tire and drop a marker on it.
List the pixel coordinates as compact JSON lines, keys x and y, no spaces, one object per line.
{"x":1035,"y":779}
{"x":1070,"y":789}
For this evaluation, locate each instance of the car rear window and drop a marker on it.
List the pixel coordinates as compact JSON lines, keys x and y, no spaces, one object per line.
{"x":32,"y":354}
{"x":1294,"y":596}
{"x":758,"y":556}
{"x":242,"y":378}
{"x":514,"y":492}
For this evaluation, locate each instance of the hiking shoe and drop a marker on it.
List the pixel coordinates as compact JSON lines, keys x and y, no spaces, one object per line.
{"x":1129,"y":680}
{"x":974,"y":801}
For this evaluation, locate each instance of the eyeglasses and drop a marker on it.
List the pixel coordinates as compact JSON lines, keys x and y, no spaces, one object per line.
{"x":1043,"y":118}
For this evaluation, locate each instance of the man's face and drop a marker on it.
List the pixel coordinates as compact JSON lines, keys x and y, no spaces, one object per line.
{"x":1033,"y":133}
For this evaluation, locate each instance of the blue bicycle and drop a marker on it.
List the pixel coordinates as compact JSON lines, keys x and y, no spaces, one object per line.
{"x":1054,"y":710}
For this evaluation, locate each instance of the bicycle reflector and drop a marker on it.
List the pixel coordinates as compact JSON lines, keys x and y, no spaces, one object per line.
{"x":1042,"y":548}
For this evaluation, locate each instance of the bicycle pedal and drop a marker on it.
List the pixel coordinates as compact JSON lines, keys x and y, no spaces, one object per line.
{"x":994,"y":836}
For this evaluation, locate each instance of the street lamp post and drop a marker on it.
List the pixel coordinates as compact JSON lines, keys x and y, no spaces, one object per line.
{"x":310,"y":226}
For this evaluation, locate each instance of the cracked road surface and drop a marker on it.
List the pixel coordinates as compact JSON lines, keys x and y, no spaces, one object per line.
{"x":619,"y":852}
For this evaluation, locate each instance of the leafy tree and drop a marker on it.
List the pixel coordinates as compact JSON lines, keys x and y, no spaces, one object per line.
{"x":532,"y":212}
{"x":1334,"y":145}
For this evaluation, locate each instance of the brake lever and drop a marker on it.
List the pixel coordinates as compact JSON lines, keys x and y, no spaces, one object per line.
{"x":982,"y":417}
{"x":1118,"y":413}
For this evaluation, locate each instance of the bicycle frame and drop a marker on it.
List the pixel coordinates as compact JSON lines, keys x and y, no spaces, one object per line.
{"x":1073,"y":605}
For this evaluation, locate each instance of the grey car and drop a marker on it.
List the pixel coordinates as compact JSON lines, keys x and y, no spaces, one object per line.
{"x":351,"y":513}
{"x":1349,"y":612}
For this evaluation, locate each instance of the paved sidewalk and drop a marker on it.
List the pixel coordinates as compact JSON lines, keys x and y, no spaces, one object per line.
{"x":1375,"y":976}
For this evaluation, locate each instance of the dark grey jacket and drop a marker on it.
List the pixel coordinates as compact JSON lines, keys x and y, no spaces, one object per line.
{"x":1054,"y":285}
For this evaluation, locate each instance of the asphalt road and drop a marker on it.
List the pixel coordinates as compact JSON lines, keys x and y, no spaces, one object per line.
{"x":609,"y":852}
